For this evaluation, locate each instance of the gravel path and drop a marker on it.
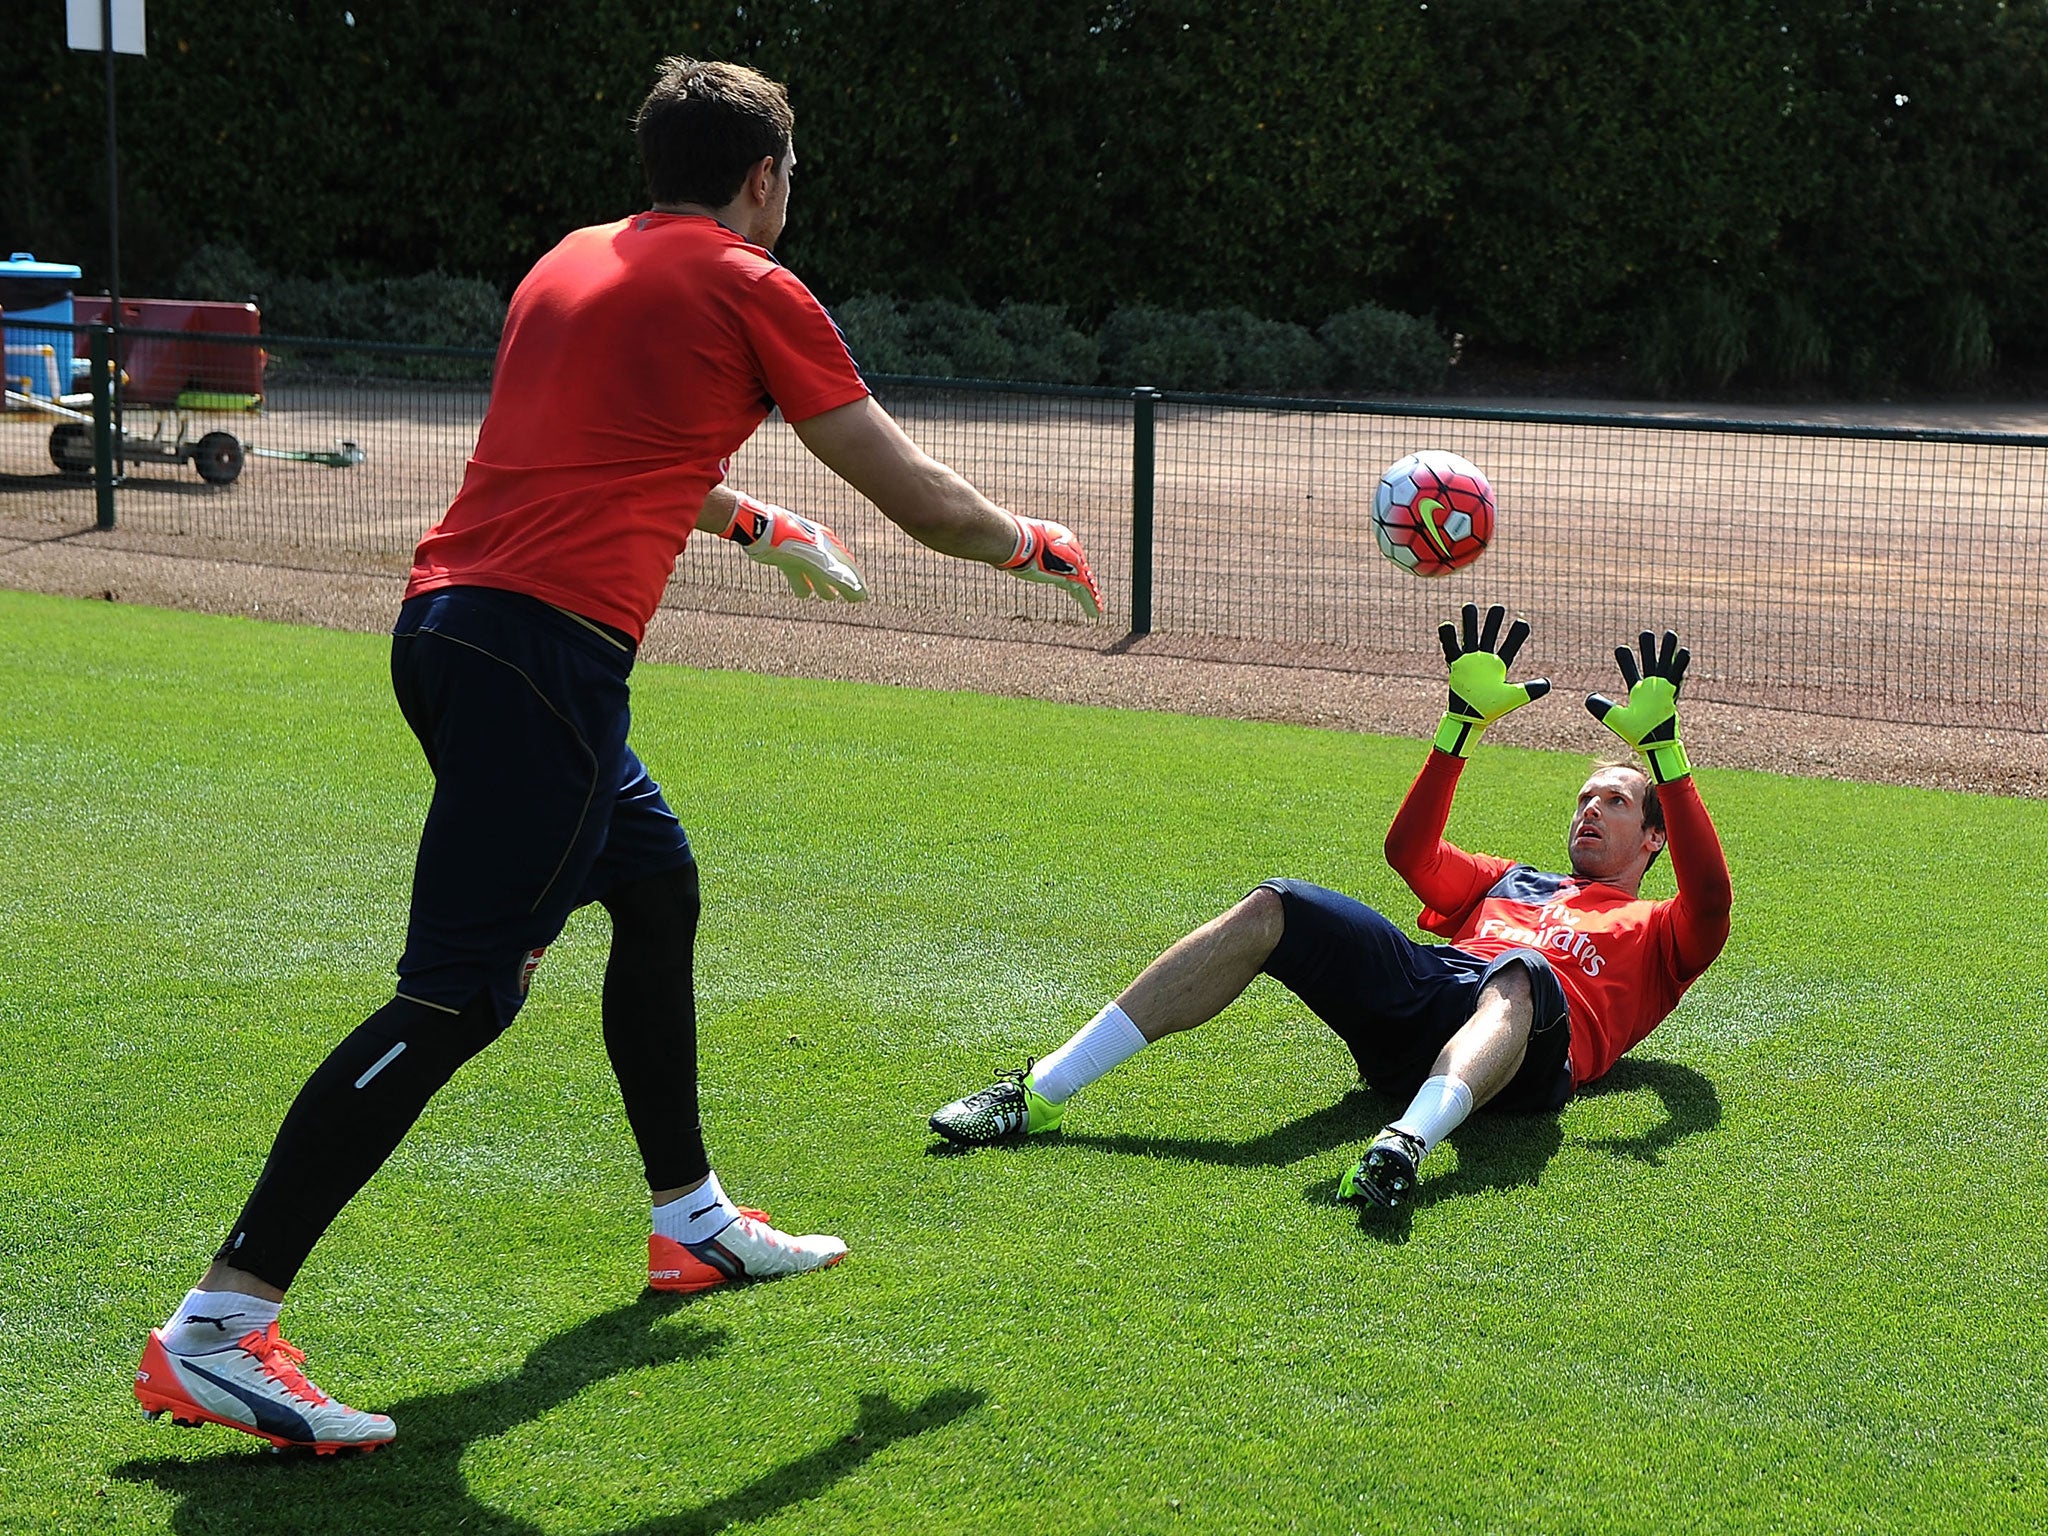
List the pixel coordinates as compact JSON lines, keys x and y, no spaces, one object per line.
{"x":1035,"y":658}
{"x":182,"y":545}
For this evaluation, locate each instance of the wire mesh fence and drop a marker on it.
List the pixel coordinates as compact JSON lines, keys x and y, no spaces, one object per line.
{"x":1871,"y":573}
{"x":1857,"y":572}
{"x":342,"y":462}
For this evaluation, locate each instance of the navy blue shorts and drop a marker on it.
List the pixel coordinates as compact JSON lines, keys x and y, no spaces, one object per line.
{"x":539,"y":805}
{"x":1396,"y":1003}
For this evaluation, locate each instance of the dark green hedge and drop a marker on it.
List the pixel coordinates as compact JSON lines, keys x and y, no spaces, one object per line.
{"x":1366,"y":348}
{"x":1554,"y":175}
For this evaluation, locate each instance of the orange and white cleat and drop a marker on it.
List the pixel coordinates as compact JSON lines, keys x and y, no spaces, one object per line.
{"x":254,"y":1385}
{"x":749,"y":1249}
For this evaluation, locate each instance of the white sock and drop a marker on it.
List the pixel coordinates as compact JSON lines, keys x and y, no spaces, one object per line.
{"x":1104,"y":1043}
{"x":700,"y":1215}
{"x":209,"y":1320}
{"x":1439,"y":1107}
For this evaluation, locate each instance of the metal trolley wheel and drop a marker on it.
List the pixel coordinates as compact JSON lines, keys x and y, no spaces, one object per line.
{"x":218,"y":458}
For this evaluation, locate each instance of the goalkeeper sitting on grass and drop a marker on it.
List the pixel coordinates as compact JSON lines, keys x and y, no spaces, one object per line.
{"x":1547,"y":980}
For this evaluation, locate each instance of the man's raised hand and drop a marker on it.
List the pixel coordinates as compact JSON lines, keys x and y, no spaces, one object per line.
{"x":1649,"y":720}
{"x":802,"y":548}
{"x":1480,"y":690}
{"x":1049,"y":552}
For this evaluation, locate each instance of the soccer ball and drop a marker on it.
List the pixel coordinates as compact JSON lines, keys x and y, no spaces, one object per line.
{"x":1433,"y":513}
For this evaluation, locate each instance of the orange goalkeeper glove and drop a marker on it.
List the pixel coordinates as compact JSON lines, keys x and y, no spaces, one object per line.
{"x":1049,"y":552}
{"x":806,"y":552}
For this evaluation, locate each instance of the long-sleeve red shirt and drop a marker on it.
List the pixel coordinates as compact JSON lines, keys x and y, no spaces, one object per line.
{"x":1623,"y":961}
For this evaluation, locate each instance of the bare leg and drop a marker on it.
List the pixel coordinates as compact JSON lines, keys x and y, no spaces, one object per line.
{"x":1475,"y":1064}
{"x":1205,"y":972}
{"x":1486,"y":1053}
{"x":1189,"y":984}
{"x":1192,"y":982}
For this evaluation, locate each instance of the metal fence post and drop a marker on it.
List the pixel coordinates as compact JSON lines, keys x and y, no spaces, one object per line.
{"x":1143,"y":404}
{"x":100,"y":351}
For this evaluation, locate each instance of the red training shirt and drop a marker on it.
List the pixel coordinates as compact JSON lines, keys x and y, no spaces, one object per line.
{"x":637,"y":357}
{"x":1623,"y":961}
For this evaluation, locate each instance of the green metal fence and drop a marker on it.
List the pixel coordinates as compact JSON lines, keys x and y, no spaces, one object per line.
{"x":1867,"y":572}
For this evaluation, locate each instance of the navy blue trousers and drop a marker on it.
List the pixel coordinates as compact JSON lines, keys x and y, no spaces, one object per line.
{"x":1396,"y":1003}
{"x":539,"y":807}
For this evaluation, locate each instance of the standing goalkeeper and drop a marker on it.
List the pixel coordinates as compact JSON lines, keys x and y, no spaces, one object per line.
{"x":1546,"y":981}
{"x":636,"y":358}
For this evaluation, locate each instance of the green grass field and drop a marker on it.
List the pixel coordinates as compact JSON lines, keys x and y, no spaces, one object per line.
{"x":1785,"y":1272}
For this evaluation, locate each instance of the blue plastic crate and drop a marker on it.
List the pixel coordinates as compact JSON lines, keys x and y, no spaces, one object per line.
{"x":36,"y":298}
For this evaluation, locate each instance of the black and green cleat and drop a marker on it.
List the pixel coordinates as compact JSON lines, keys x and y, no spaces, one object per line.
{"x":1386,"y":1172}
{"x":1009,"y":1109}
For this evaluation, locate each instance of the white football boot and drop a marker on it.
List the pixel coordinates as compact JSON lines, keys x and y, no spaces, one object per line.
{"x":254,"y":1385}
{"x":749,"y":1249}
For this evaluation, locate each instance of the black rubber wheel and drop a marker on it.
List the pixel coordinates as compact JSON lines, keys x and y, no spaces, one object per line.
{"x":218,"y":458}
{"x":71,"y":447}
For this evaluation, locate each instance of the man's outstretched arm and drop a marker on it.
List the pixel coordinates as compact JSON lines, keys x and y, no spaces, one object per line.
{"x":1648,"y":722}
{"x":862,"y":444}
{"x":1706,"y":895}
{"x":1448,"y":879}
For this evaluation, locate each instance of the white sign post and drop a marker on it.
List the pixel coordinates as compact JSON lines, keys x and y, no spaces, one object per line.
{"x":82,"y":20}
{"x":108,"y":27}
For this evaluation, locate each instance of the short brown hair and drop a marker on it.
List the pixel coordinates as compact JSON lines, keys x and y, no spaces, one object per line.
{"x":1653,"y":809}
{"x":705,"y":125}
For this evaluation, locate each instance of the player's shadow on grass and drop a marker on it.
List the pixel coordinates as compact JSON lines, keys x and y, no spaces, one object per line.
{"x":1691,"y":1106}
{"x":1501,"y":1152}
{"x":1319,"y":1131}
{"x":417,"y":1484}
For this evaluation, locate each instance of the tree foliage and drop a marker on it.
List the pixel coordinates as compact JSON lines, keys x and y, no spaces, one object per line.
{"x":1555,"y":175}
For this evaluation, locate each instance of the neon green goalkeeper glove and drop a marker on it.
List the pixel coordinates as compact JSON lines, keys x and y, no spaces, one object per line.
{"x":1480,"y":690}
{"x":1649,"y":720}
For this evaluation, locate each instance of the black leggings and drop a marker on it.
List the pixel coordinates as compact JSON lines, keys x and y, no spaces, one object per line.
{"x":360,"y":1102}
